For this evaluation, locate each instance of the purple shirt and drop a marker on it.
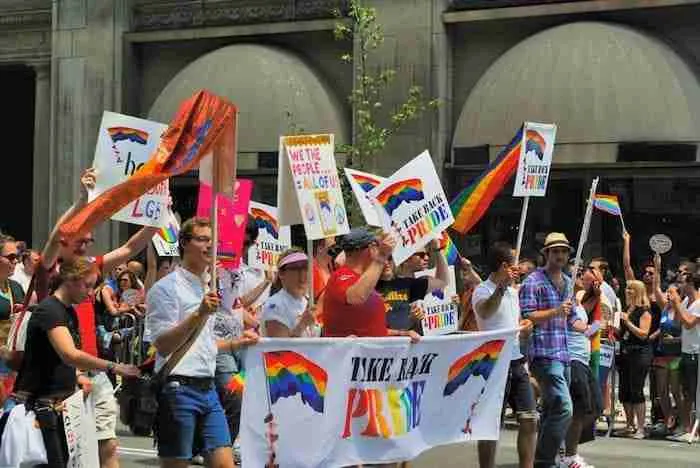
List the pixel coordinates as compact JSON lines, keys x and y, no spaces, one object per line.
{"x":548,"y":339}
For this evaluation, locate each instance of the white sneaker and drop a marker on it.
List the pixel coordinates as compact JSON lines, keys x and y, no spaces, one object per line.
{"x":569,"y":462}
{"x":582,"y":462}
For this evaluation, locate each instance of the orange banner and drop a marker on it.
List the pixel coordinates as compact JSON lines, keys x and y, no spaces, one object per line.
{"x":193,"y":133}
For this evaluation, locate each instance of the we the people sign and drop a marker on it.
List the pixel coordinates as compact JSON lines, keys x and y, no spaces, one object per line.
{"x":124,"y":144}
{"x":342,"y":402}
{"x":309,"y":191}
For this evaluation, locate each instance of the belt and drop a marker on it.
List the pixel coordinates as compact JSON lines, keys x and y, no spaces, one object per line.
{"x":202,"y":383}
{"x":53,"y":401}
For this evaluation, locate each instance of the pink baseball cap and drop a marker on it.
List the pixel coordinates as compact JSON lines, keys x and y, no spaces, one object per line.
{"x":296,"y":257}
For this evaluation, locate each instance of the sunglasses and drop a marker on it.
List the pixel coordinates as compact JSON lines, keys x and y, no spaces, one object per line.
{"x":421,"y":254}
{"x":85,"y":242}
{"x":13,"y":257}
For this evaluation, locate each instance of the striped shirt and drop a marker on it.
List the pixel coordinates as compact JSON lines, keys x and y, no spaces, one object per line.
{"x":548,"y":339}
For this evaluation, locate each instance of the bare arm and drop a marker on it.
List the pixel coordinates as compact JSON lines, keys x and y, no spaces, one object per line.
{"x":441,"y":278}
{"x":129,"y":250}
{"x":151,"y":267}
{"x":579,"y":326}
{"x":359,"y":292}
{"x":540,"y":316}
{"x":658,"y":294}
{"x":469,"y":275}
{"x":642,"y":331}
{"x":487,"y":308}
{"x":170,"y":340}
{"x":626,"y":257}
{"x":62,"y":342}
{"x":249,"y":299}
{"x":275,"y":329}
{"x":687,"y":319}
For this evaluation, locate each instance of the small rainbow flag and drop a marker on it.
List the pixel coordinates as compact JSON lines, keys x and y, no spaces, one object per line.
{"x":367,"y":183}
{"x":481,"y":362}
{"x":608,"y":203}
{"x":237,"y":383}
{"x":449,"y":249}
{"x":125,"y":133}
{"x":265,"y":222}
{"x":403,"y":191}
{"x":471,"y":203}
{"x":289,"y":373}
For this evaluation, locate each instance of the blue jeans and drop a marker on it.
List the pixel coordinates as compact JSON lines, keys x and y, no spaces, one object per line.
{"x":185,"y":412}
{"x":553,"y":378}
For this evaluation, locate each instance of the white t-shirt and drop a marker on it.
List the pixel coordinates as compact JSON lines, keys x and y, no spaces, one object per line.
{"x":286,"y":309}
{"x":169,"y":302}
{"x":507,"y":315}
{"x":690,"y":338}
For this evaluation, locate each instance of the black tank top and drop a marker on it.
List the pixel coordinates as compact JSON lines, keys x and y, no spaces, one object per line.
{"x":629,"y":338}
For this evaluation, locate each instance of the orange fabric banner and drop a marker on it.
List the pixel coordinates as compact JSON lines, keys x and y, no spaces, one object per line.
{"x":193,"y":133}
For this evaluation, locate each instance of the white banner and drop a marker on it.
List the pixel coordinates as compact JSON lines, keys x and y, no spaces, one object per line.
{"x":412,"y":205}
{"x":535,"y":160}
{"x":273,"y":239}
{"x":362,"y":183}
{"x":124,"y":144}
{"x":166,"y":239}
{"x":338,"y":402}
{"x":441,"y":311}
{"x":308,"y":189}
{"x":79,"y":425}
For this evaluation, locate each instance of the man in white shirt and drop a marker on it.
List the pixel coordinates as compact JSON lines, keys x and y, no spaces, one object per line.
{"x":497,"y":306}
{"x":25,"y":269}
{"x":689,"y":313}
{"x":188,"y":403}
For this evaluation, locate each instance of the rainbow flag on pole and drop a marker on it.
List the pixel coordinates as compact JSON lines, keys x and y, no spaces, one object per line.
{"x":608,"y":203}
{"x":472,"y":202}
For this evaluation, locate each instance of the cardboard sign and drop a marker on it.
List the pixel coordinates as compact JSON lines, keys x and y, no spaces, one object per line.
{"x":441,"y":312}
{"x":232,"y":219}
{"x":273,"y":239}
{"x":607,"y":354}
{"x":660,"y":243}
{"x":362,"y":183}
{"x":309,"y":191}
{"x":412,"y":206}
{"x":124,"y":144}
{"x":79,"y":426}
{"x":535,"y":160}
{"x":166,"y":239}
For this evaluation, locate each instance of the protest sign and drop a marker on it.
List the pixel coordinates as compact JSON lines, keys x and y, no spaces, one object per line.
{"x":441,"y":311}
{"x":660,"y":243}
{"x":166,"y":239}
{"x":362,"y":183}
{"x":370,"y":400}
{"x":412,"y":205}
{"x":79,"y":426}
{"x":535,"y":160}
{"x":232,"y":219}
{"x":309,"y":191}
{"x":124,"y":144}
{"x":273,"y":239}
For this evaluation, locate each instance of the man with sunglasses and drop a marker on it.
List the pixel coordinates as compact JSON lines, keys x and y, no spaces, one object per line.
{"x":57,"y":250}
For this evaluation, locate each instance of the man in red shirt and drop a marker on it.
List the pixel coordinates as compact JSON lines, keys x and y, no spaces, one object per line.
{"x":57,"y":250}
{"x":352,"y":306}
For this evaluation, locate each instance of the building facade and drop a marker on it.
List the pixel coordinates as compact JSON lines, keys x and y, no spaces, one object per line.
{"x":619,"y":78}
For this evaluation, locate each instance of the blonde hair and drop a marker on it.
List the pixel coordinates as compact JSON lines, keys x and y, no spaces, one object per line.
{"x":639,"y":294}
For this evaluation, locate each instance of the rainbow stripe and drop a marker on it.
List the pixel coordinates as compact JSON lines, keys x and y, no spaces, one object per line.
{"x":367,"y":183}
{"x":237,"y":383}
{"x":401,"y":407}
{"x":403,"y":191}
{"x":481,"y":362}
{"x":608,"y":203}
{"x":471,"y":203}
{"x":289,"y":373}
{"x":449,"y":249}
{"x":118,"y":134}
{"x":535,"y":142}
{"x":169,"y":233}
{"x":265,"y":222}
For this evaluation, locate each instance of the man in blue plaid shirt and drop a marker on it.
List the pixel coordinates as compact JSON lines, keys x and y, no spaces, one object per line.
{"x":545,"y":299}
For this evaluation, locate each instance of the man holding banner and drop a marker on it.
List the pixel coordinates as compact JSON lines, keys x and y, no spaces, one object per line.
{"x":497,"y":307}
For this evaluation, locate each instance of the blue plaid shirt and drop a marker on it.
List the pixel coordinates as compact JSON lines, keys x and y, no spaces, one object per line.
{"x":548,"y":339}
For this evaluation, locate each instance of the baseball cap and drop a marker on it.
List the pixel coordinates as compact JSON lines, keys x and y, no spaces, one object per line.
{"x":358,"y":238}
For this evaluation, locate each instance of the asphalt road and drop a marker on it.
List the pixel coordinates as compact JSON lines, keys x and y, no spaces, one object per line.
{"x":613,"y":452}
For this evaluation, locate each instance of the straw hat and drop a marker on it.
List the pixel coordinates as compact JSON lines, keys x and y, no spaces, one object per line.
{"x":556,"y":239}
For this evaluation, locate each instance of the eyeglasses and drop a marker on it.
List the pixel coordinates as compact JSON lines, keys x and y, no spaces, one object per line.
{"x":12,"y":258}
{"x":86,"y":242}
{"x":201,"y":238}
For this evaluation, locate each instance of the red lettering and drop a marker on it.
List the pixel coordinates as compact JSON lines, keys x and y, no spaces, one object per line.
{"x":135,"y":212}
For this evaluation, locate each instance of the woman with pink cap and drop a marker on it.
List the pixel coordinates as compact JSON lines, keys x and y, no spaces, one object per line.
{"x":287,"y":313}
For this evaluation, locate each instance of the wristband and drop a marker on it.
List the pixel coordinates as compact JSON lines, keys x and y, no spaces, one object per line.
{"x":110,"y":367}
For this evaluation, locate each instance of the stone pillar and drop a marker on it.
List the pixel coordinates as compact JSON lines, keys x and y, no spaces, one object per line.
{"x":42,"y":127}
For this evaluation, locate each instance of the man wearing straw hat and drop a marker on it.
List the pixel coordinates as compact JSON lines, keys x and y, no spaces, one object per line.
{"x":545,"y":299}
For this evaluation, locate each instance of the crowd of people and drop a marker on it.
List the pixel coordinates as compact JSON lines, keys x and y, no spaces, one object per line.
{"x":69,"y":320}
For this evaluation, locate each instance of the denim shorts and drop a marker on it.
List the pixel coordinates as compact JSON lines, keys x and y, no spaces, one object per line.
{"x":186,"y":412}
{"x":519,"y":393}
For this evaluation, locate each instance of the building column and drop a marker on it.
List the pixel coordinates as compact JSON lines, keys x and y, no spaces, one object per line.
{"x":42,"y":128}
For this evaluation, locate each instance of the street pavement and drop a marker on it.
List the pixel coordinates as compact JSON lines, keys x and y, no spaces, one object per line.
{"x":612,"y":452}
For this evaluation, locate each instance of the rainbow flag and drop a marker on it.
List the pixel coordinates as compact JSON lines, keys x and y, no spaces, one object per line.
{"x":471,"y":203}
{"x":237,"y":383}
{"x":289,"y":373}
{"x":481,"y":362}
{"x":264,"y":221}
{"x":403,"y":191}
{"x":194,"y":132}
{"x":607,"y":203}
{"x":449,"y":249}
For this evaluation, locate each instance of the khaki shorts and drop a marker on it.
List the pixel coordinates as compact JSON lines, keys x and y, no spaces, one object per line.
{"x":106,"y":410}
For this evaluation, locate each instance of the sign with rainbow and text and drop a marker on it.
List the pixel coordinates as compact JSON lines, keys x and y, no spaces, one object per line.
{"x":273,"y":239}
{"x":441,"y":306}
{"x":362,"y":183}
{"x":535,"y":160}
{"x":412,"y":205}
{"x":124,"y":144}
{"x":166,"y":239}
{"x":370,"y":400}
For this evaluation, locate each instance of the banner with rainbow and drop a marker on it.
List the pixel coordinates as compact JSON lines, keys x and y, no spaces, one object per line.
{"x":370,"y":400}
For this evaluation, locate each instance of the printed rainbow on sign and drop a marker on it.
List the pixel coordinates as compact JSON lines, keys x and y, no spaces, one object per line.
{"x":169,"y":233}
{"x":118,"y":134}
{"x":470,"y":205}
{"x":237,"y":383}
{"x":403,"y":191}
{"x":367,"y":183}
{"x":535,"y":142}
{"x":265,"y":222}
{"x":608,"y":204}
{"x":480,"y":361}
{"x":289,"y":373}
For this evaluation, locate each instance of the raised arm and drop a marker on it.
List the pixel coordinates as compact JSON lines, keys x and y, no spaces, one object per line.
{"x":359,"y":292}
{"x":151,"y":267}
{"x":469,"y":276}
{"x":660,"y":296}
{"x":441,"y":278}
{"x":130,"y":249}
{"x":626,"y":257}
